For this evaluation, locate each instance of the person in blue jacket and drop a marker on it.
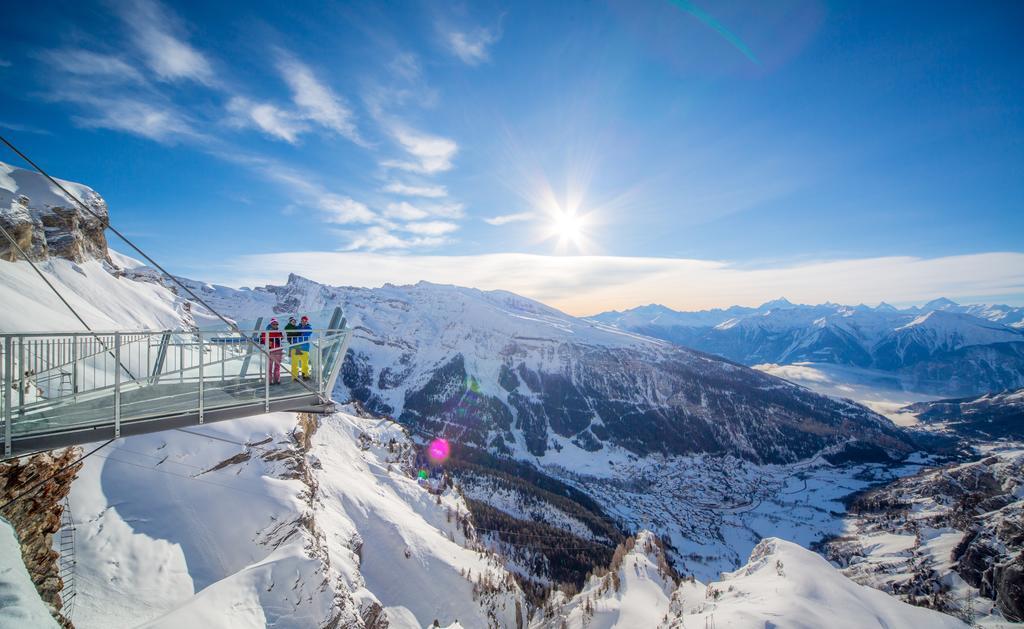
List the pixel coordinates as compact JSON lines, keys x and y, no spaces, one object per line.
{"x":298,"y":338}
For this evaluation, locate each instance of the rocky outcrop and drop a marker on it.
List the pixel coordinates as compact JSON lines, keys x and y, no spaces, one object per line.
{"x":45,"y":223}
{"x":36,"y":517}
{"x":893,"y":545}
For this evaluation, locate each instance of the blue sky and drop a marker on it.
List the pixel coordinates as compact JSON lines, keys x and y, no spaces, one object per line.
{"x":701,"y":144}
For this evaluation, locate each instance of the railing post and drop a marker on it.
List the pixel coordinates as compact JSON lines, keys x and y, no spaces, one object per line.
{"x":266,"y":381}
{"x":21,"y":371}
{"x":8,"y":393}
{"x":117,"y":385}
{"x":200,"y":334}
{"x":74,"y":367}
{"x":319,"y":364}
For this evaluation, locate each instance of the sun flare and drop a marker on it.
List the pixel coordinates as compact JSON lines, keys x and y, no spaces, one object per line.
{"x":567,"y":226}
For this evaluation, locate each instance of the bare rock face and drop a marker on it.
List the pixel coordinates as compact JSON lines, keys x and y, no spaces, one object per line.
{"x":45,"y":223}
{"x":36,"y":517}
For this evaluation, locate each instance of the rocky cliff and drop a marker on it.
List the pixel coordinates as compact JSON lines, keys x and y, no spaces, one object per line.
{"x":36,"y":517}
{"x":45,"y":223}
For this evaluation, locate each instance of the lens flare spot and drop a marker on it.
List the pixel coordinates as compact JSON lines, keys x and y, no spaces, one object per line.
{"x":439,"y":450}
{"x":422,"y":474}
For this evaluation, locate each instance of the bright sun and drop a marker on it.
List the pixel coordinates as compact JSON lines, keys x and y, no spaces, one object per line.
{"x":567,"y":226}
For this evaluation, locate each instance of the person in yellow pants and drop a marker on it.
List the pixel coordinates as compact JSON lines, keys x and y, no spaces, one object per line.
{"x":298,"y":338}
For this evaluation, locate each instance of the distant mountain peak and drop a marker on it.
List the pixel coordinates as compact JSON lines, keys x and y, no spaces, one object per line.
{"x":781,"y":302}
{"x":941,"y":303}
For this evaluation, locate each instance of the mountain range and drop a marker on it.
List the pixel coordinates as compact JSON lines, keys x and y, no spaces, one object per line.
{"x":580,"y":450}
{"x":941,"y":348}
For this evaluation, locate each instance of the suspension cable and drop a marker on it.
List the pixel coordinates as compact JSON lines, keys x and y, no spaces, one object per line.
{"x":106,"y":222}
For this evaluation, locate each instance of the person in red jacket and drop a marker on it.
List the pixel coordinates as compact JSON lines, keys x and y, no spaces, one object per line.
{"x":271,"y":339}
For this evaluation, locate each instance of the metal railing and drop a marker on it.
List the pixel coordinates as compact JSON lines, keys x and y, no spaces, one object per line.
{"x":56,"y":381}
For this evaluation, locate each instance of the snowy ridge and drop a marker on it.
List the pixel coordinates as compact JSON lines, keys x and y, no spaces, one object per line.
{"x":503,"y":372}
{"x":795,"y":588}
{"x":782,"y":585}
{"x":634,"y":592}
{"x":982,"y":345}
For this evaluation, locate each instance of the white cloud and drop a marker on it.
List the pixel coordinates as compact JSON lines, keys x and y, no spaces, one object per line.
{"x":93,"y":65}
{"x":154,"y":31}
{"x":333,"y":207}
{"x":268,"y":118}
{"x":471,"y":48}
{"x":505,"y":219}
{"x":430,"y":228}
{"x":342,"y":209}
{"x":163,"y":124}
{"x":378,"y":238}
{"x":430,"y":192}
{"x":587,"y":284}
{"x":406,"y":66}
{"x":404,"y":211}
{"x":433,"y":154}
{"x":316,"y":101}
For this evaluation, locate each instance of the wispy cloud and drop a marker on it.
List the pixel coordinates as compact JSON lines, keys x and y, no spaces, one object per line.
{"x":94,"y":65}
{"x":317,"y":101}
{"x":23,"y":128}
{"x":430,"y":192}
{"x":505,"y":219}
{"x":431,"y":153}
{"x":268,"y":118}
{"x":5,"y":63}
{"x":430,"y":228}
{"x":334,"y":207}
{"x":377,"y":238}
{"x":159,"y":35}
{"x":471,"y":47}
{"x":405,"y":211}
{"x":406,"y":66}
{"x":344,"y":210}
{"x":584,"y":285}
{"x":162,"y":124}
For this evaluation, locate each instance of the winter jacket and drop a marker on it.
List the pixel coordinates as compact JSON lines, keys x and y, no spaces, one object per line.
{"x":271,"y":338}
{"x":303,"y":334}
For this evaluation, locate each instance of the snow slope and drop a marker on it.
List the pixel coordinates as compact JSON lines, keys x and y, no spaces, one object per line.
{"x":782,"y":585}
{"x":636,"y":593}
{"x":786,"y":586}
{"x":20,"y":605}
{"x":335,"y":529}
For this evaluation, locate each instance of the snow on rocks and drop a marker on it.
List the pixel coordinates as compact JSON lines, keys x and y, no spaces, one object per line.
{"x":634,"y":592}
{"x":45,"y":223}
{"x":786,"y":586}
{"x":782,"y":585}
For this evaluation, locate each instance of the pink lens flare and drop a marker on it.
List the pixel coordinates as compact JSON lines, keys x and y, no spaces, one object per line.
{"x":439,"y":450}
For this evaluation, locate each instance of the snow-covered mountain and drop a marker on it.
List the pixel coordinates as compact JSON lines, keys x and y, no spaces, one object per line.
{"x":941,"y":348}
{"x":567,"y":434}
{"x":989,"y":416}
{"x":782,"y":585}
{"x":45,"y":223}
{"x":506,"y":373}
{"x":949,"y":538}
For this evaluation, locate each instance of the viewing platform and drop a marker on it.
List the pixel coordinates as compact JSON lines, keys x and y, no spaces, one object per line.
{"x":74,"y":388}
